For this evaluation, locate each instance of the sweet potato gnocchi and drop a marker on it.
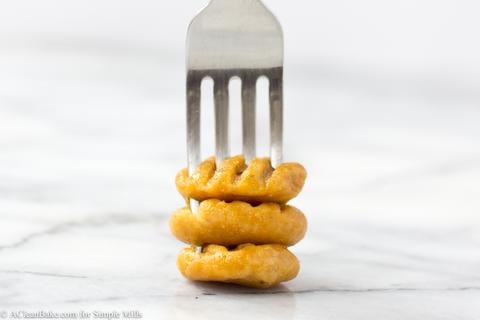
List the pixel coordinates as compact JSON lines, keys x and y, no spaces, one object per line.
{"x":243,"y":223}
{"x":254,"y":266}
{"x":255,"y":183}
{"x":234,"y":223}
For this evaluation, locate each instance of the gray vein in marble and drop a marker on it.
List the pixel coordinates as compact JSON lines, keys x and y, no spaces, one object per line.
{"x":286,"y":292}
{"x":99,"y":221}
{"x":264,"y":293}
{"x":42,"y":274}
{"x":350,"y":290}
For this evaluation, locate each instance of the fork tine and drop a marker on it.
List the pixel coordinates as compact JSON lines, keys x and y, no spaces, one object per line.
{"x":276,"y":117}
{"x":193,"y":126}
{"x":249,"y":117}
{"x":222,"y":148}
{"x":193,"y":121}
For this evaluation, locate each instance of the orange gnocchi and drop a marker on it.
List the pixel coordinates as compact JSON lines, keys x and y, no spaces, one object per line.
{"x":243,"y":222}
{"x":234,"y":223}
{"x":233,"y":180}
{"x":254,"y":266}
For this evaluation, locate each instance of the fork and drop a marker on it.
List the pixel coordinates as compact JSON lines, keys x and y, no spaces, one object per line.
{"x":234,"y":38}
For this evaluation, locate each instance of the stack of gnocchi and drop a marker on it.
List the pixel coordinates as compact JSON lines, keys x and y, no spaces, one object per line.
{"x":243,"y":223}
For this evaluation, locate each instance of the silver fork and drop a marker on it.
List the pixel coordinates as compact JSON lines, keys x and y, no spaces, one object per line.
{"x":234,"y":38}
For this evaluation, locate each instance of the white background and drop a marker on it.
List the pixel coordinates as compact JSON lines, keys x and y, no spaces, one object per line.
{"x":375,"y":91}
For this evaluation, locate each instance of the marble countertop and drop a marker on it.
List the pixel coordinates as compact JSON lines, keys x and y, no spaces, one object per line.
{"x":91,"y":138}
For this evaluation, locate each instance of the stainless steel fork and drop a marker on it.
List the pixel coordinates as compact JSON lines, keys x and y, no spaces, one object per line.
{"x":234,"y":38}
